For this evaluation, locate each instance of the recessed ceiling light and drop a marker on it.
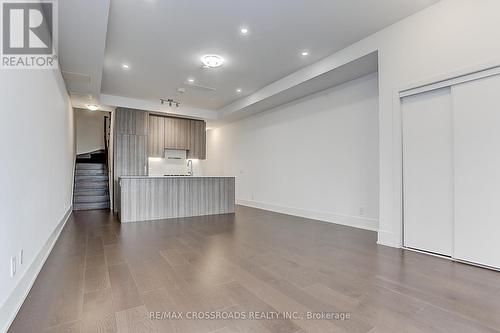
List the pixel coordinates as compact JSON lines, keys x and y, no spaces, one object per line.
{"x":212,"y":60}
{"x":92,"y":107}
{"x":305,"y":53}
{"x":190,"y":80}
{"x":244,"y":30}
{"x":238,"y":90}
{"x":125,"y":66}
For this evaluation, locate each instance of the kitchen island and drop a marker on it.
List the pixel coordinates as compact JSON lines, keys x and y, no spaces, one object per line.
{"x":145,"y":198}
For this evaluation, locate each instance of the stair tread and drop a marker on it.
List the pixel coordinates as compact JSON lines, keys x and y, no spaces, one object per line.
{"x":91,"y":177}
{"x":85,"y":181}
{"x":91,"y":199}
{"x":97,"y":192}
{"x":90,"y":166}
{"x":91,"y":172}
{"x":90,"y":206}
{"x":102,"y":204}
{"x":77,"y":195}
{"x":93,"y":186}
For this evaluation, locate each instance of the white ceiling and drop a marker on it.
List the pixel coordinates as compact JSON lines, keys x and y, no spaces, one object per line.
{"x":82,"y":42}
{"x":162,"y":41}
{"x":343,"y":73}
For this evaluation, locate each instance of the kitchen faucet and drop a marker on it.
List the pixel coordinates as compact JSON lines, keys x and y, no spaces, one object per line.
{"x":190,"y":167}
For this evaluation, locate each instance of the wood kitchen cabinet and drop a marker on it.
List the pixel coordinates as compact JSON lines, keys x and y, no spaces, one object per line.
{"x":156,"y":136}
{"x":131,"y":122}
{"x":197,"y":140}
{"x":176,"y":133}
{"x":139,"y":135}
{"x":130,"y":147}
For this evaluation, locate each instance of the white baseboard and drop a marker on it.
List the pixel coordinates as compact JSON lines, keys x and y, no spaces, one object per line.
{"x":11,"y":307}
{"x":359,"y":222}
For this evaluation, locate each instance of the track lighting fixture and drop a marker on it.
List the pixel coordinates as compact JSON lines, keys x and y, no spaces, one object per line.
{"x":169,"y":101}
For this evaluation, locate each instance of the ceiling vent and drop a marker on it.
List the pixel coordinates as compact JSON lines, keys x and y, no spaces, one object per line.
{"x":77,"y":82}
{"x":200,"y":87}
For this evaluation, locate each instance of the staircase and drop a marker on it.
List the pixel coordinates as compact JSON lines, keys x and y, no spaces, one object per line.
{"x":91,"y":186}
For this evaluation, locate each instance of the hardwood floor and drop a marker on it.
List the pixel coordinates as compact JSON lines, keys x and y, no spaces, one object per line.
{"x":103,"y":276}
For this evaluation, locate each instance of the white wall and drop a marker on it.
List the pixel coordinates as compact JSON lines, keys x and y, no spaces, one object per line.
{"x":316,"y":157}
{"x":36,"y":175}
{"x":443,"y":39}
{"x":89,"y":130}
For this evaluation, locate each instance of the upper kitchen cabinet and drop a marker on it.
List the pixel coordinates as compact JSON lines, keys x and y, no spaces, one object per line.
{"x":131,"y":122}
{"x":197,"y":140}
{"x":156,"y":136}
{"x":177,"y":133}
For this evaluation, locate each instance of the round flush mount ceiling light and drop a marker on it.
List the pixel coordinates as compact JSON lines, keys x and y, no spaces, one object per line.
{"x":92,"y":107}
{"x":212,"y":61}
{"x":125,"y":66}
{"x":244,"y":30}
{"x":238,"y":90}
{"x":305,"y":53}
{"x":190,"y":80}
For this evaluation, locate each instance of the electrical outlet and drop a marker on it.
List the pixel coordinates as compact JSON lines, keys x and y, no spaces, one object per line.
{"x":21,"y":257}
{"x":361,"y":211}
{"x":12,"y":266}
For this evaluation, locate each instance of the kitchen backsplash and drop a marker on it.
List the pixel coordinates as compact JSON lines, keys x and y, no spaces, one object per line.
{"x":163,"y":166}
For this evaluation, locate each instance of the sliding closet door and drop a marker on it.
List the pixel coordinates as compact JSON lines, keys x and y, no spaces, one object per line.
{"x":428,"y":172}
{"x":477,"y":171}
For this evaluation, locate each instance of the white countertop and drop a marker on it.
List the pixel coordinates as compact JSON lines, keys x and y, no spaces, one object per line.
{"x":162,"y":177}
